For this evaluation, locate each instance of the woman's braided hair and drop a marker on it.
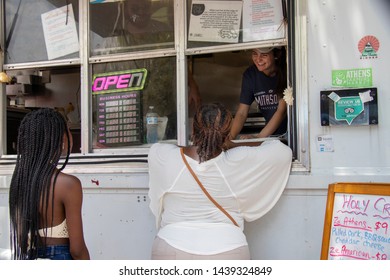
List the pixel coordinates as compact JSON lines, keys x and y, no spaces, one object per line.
{"x":211,"y":127}
{"x":39,"y":148}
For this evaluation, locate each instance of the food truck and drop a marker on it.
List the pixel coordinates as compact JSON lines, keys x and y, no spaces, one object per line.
{"x":88,"y":61}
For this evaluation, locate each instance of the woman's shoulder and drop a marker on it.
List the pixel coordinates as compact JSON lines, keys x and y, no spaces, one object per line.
{"x":68,"y":181}
{"x":271,"y":148}
{"x":163,"y":150}
{"x":68,"y":188}
{"x":164,"y":147}
{"x":275,"y":145}
{"x":251,"y":70}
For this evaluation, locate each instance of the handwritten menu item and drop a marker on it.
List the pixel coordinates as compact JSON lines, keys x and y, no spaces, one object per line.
{"x":60,"y":32}
{"x":119,"y":119}
{"x":357,"y":222}
{"x":263,"y":20}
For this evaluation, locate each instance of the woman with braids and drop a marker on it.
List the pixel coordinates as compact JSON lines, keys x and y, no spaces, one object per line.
{"x":45,"y":203}
{"x":264,"y":82}
{"x":241,"y":184}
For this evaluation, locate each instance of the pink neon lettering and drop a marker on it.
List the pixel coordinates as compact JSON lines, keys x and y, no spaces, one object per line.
{"x":112,"y":80}
{"x":123,"y":81}
{"x":103,"y":83}
{"x":98,"y":83}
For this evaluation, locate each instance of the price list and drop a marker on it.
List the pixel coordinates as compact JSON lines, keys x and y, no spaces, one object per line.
{"x":360,"y":227}
{"x":119,"y":119}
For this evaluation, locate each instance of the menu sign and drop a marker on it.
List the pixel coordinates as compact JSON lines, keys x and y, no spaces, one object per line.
{"x":119,"y":110}
{"x":263,"y":20}
{"x":360,"y":227}
{"x":357,"y":221}
{"x":119,"y":119}
{"x":60,"y":32}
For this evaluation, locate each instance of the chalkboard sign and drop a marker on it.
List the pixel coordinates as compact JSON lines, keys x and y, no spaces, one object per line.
{"x":357,"y":222}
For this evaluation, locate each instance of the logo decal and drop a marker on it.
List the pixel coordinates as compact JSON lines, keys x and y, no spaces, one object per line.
{"x":368,"y":47}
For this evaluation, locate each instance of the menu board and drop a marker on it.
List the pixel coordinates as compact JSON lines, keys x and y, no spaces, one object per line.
{"x":357,"y":222}
{"x":119,"y":119}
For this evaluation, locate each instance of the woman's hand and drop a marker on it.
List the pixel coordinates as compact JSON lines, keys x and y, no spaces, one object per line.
{"x":249,"y":136}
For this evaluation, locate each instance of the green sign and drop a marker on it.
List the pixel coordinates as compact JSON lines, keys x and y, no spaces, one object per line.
{"x":348,"y":108}
{"x":354,"y":78}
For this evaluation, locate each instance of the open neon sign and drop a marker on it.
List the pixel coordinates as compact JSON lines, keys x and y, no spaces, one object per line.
{"x":119,"y":81}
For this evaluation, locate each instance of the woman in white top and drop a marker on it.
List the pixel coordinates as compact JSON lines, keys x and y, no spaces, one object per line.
{"x":246,"y":181}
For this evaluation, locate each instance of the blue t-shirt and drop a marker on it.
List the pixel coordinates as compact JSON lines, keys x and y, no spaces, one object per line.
{"x":256,"y":86}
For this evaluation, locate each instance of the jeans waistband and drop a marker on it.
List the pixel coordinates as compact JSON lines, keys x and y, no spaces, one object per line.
{"x":53,"y":250}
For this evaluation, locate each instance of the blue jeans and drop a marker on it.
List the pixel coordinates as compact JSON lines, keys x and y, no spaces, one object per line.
{"x":55,"y":252}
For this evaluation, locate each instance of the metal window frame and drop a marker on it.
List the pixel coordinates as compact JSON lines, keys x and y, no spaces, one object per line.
{"x":301,"y":113}
{"x":3,"y":99}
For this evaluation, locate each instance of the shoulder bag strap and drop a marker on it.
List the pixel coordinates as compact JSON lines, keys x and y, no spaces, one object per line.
{"x":204,"y":190}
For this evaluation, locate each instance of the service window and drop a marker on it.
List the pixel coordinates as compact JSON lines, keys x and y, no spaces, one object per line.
{"x":221,"y":37}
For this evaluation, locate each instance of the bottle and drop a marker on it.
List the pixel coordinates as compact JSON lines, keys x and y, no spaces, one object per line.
{"x":151,"y":126}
